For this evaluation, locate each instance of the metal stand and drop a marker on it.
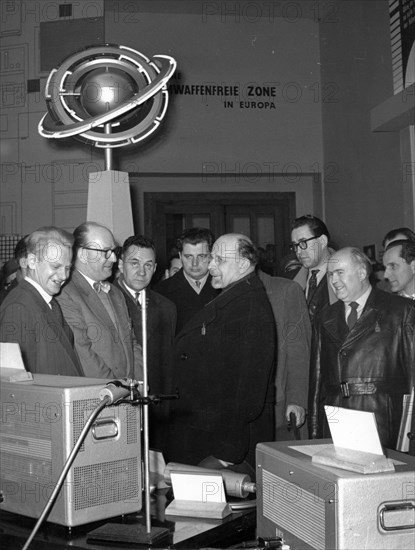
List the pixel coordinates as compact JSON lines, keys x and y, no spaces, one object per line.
{"x":156,"y":534}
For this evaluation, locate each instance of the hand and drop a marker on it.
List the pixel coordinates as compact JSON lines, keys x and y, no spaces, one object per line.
{"x":299,"y":413}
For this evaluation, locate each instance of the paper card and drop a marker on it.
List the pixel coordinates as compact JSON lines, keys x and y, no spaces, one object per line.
{"x":10,"y":356}
{"x":198,"y":487}
{"x":353,"y":429}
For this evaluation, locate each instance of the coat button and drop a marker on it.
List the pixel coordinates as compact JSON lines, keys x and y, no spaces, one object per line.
{"x":184,"y":356}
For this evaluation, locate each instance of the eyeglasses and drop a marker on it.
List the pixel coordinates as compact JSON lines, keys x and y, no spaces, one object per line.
{"x":106,"y":251}
{"x":301,"y":244}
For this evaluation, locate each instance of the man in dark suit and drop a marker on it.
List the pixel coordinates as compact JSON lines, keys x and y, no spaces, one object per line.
{"x":30,"y":315}
{"x":293,"y":351}
{"x":363,"y":350}
{"x":20,"y":257}
{"x":137,"y":266}
{"x":310,"y":239}
{"x":224,"y":366}
{"x":190,"y":288}
{"x":399,"y":262}
{"x":96,"y":310}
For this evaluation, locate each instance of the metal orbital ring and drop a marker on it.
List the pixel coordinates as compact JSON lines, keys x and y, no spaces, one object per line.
{"x":131,"y":120}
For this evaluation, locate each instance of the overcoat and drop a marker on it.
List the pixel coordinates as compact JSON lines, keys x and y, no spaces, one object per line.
{"x":187,"y":301}
{"x":323,"y":295}
{"x":223,"y":370}
{"x":293,"y":351}
{"x":374,"y":363}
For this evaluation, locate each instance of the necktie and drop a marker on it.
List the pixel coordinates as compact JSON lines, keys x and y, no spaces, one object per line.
{"x":197,"y":283}
{"x":312,"y":284}
{"x":102,"y":289}
{"x":102,"y":286}
{"x":352,"y":318}
{"x":57,"y":312}
{"x":137,"y":299}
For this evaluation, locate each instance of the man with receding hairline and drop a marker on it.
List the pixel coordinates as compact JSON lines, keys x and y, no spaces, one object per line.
{"x":363,"y":349}
{"x":30,"y":315}
{"x":224,"y":365}
{"x":96,"y":310}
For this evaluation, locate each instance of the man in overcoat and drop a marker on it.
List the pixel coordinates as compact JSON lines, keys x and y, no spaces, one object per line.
{"x":293,"y":351}
{"x":363,"y":350}
{"x":224,"y":365}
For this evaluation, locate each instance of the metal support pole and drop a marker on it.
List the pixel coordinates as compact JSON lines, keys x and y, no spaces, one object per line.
{"x":145,"y":412}
{"x":108,"y":150}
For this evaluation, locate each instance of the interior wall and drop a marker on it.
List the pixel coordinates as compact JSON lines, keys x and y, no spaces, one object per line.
{"x":42,"y":182}
{"x":261,"y":60}
{"x":363,"y":186}
{"x":278,"y":47}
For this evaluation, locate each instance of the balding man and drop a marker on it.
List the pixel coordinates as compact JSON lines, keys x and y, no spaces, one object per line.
{"x":224,"y":365}
{"x":30,"y":315}
{"x":363,"y":351}
{"x":96,"y":310}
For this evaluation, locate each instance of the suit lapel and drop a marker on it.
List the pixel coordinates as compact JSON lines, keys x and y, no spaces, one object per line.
{"x":368,"y":320}
{"x":334,"y":322}
{"x":91,"y":298}
{"x":301,"y":277}
{"x":51,"y":320}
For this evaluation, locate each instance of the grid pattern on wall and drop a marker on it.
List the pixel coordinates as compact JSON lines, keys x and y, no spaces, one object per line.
{"x":7,"y":245}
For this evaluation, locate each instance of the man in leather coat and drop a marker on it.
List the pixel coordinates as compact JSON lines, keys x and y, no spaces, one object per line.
{"x":363,"y":350}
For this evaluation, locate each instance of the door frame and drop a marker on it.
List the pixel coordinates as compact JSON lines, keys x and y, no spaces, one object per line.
{"x":307,"y":188}
{"x":157,"y":204}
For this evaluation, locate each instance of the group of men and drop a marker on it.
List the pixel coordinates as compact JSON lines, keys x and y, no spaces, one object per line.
{"x":233,"y":341}
{"x":363,"y":339}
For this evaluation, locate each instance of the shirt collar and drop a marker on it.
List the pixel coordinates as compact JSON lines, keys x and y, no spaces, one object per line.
{"x":361,"y":301}
{"x":193,"y":281}
{"x":127,"y":288}
{"x":88,"y":279}
{"x":47,"y":297}
{"x":405,"y":295}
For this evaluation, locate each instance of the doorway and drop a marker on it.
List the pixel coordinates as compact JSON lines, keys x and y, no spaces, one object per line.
{"x":264,"y":217}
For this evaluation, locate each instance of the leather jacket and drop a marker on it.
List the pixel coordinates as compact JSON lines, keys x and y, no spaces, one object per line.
{"x":368,"y":368}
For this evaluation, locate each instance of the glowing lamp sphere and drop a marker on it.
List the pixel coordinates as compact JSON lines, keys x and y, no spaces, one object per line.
{"x":105,"y":89}
{"x":107,"y":96}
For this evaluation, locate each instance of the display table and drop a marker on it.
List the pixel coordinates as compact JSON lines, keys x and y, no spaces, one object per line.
{"x":184,"y":532}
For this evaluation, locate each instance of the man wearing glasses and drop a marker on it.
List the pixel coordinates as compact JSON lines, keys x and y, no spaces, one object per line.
{"x":96,"y":310}
{"x":309,"y":241}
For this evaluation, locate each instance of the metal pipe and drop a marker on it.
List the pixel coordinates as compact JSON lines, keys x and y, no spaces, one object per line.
{"x":108,"y":150}
{"x":145,"y":412}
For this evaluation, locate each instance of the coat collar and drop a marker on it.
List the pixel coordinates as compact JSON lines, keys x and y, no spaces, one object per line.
{"x":335,"y":324}
{"x":209,"y":312}
{"x":301,"y":279}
